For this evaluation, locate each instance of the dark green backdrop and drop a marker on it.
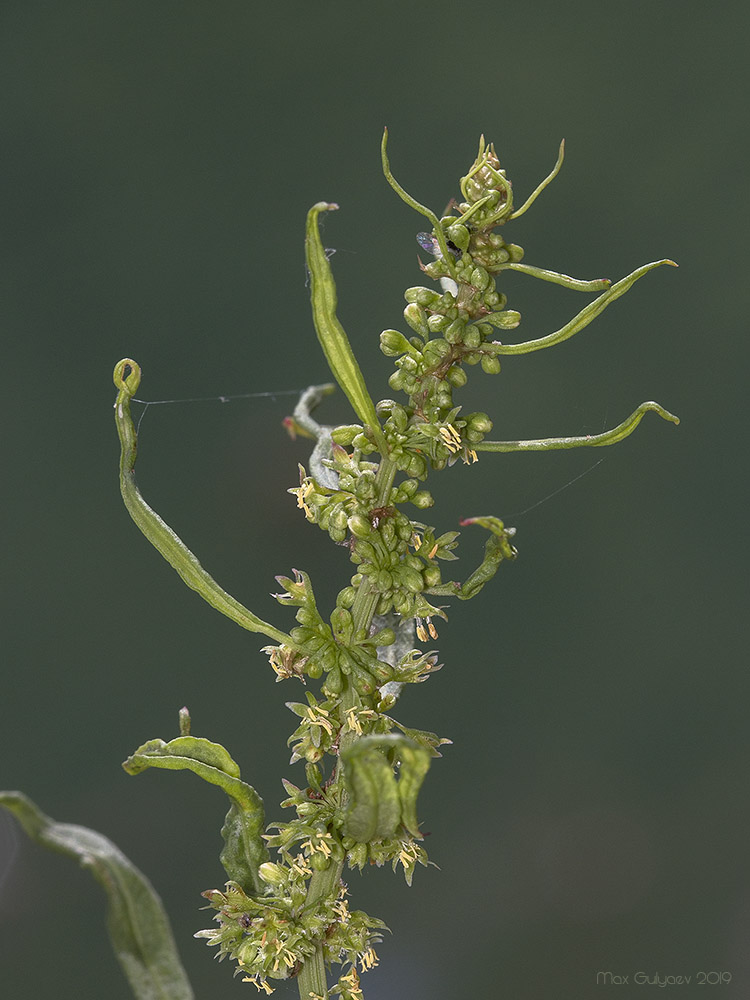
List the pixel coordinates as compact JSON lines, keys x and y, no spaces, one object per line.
{"x":158,"y":161}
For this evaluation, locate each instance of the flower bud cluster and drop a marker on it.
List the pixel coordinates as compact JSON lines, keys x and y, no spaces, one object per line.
{"x":454,"y":326}
{"x":271,"y":936}
{"x":335,"y":649}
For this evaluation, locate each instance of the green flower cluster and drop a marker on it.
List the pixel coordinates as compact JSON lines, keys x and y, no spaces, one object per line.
{"x":364,"y":769}
{"x":271,"y":936}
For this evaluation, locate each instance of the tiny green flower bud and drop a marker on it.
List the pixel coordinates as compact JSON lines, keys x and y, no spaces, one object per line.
{"x":479,"y":278}
{"x":393,"y":343}
{"x":506,"y":319}
{"x":359,"y":526}
{"x":422,"y":500}
{"x":454,"y":332}
{"x":346,"y":597}
{"x":490,"y":364}
{"x":302,"y":633}
{"x":271,"y":873}
{"x":412,"y":579}
{"x":479,"y":422}
{"x":437,"y":323}
{"x":396,"y":381}
{"x":432,"y":576}
{"x":345,"y":434}
{"x":456,"y":376}
{"x":385,"y":603}
{"x":342,"y":625}
{"x":459,"y":234}
{"x":338,"y":517}
{"x":319,"y":862}
{"x":416,"y":317}
{"x":421,"y":295}
{"x":334,"y":683}
{"x":472,"y":336}
{"x":358,"y":856}
{"x":515,"y":252}
{"x":314,"y":668}
{"x":472,"y":358}
{"x":306,"y":616}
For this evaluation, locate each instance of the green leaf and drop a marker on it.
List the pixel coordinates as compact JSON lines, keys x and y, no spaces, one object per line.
{"x":244,"y":848}
{"x":584,"y":317}
{"x":613,"y":436}
{"x":377,"y":803}
{"x":138,"y":925}
{"x":331,"y":334}
{"x":127,"y":378}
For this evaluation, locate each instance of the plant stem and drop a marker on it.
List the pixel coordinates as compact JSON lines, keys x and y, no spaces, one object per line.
{"x":312,"y":976}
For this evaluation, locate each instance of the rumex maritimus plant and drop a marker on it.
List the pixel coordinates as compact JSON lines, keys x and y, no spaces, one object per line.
{"x":289,"y":918}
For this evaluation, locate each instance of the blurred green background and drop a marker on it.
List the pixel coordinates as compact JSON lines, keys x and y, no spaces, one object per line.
{"x":159,"y":159}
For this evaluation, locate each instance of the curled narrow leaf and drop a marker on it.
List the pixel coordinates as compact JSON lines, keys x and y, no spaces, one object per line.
{"x":612,"y":436}
{"x":244,"y":849}
{"x":127,"y":377}
{"x":584,"y":317}
{"x":138,"y":925}
{"x":331,"y":334}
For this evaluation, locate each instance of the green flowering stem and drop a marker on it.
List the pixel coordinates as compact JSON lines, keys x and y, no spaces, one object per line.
{"x":584,"y":317}
{"x":538,"y":190}
{"x":612,"y":436}
{"x":127,"y":378}
{"x":331,"y":334}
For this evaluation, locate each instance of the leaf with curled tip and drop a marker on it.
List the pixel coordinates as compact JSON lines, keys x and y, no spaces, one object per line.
{"x":138,"y":925}
{"x":244,"y":850}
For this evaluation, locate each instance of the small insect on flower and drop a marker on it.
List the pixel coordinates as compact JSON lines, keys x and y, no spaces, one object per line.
{"x":428,"y":242}
{"x":378,"y":513}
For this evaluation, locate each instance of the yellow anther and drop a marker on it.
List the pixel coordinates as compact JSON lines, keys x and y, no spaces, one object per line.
{"x":451,"y":437}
